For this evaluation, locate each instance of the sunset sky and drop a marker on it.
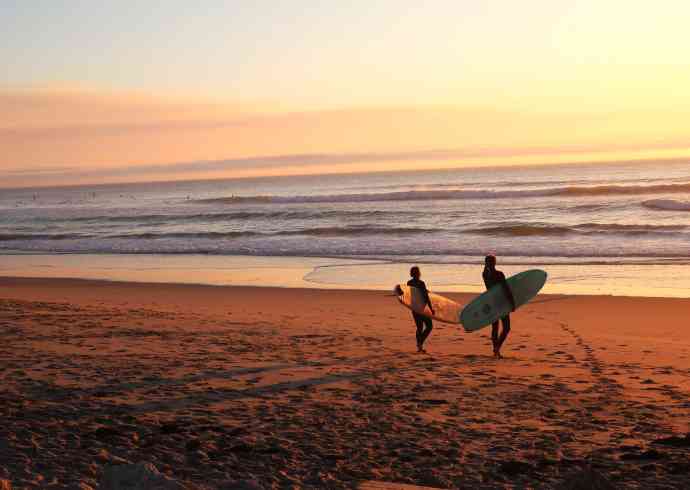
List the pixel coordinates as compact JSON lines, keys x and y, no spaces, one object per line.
{"x":132,"y":91}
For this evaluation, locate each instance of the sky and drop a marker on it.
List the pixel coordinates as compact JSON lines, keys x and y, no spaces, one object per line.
{"x":128,"y":91}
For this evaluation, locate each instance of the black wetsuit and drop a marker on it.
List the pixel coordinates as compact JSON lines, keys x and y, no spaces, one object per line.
{"x":420,"y":320}
{"x":491,"y":278}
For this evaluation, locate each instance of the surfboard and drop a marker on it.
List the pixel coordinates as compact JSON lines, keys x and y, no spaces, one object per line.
{"x":446,"y":310}
{"x":494,"y":304}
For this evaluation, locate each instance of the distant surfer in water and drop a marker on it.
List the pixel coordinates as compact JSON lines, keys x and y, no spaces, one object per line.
{"x":491,"y":277}
{"x":420,"y":320}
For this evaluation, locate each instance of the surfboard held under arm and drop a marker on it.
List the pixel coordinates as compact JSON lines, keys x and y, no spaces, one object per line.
{"x":445,"y":310}
{"x":494,"y":304}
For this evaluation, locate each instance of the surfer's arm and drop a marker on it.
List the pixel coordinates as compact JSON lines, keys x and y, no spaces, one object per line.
{"x":425,"y":291}
{"x":431,"y":307}
{"x":485,"y":277}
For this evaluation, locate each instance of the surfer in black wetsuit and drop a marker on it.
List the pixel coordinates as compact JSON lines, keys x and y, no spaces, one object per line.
{"x":421,"y":321}
{"x":491,"y":277}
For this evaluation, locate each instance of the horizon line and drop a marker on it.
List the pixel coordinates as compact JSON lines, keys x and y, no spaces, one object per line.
{"x":634,"y":161}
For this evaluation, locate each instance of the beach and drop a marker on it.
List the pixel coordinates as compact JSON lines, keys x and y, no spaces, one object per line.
{"x":255,"y":387}
{"x":227,"y":230}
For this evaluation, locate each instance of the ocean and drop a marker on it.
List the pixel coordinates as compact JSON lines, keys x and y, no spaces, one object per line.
{"x":627,"y":218}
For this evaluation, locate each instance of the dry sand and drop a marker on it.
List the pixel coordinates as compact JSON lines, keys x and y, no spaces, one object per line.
{"x":220,"y":387}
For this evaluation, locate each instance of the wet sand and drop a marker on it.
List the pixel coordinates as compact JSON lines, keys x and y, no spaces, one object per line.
{"x":242,"y":387}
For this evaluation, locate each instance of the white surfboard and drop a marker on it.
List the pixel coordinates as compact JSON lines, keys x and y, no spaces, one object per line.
{"x":445,"y":310}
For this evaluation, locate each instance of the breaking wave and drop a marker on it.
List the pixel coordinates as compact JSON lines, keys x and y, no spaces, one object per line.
{"x":440,"y":194}
{"x":584,"y":229}
{"x":324,"y":231}
{"x":240,"y":216}
{"x":6,"y":237}
{"x":507,"y":229}
{"x":667,"y":205}
{"x":334,"y":231}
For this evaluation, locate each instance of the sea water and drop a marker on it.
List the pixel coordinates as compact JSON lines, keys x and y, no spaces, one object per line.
{"x":590,"y":225}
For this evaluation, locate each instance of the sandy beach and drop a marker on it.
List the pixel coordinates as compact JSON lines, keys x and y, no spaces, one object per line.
{"x":244,"y":387}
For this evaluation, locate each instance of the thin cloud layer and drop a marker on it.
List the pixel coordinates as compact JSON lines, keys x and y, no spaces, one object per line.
{"x":74,"y":137}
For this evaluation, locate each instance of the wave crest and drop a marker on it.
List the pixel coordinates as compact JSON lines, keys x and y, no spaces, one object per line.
{"x":238,"y":216}
{"x":456,"y":194}
{"x":667,"y":205}
{"x":527,"y":229}
{"x":9,"y":237}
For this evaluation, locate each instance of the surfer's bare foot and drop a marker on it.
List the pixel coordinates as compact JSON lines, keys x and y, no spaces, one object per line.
{"x":497,"y":354}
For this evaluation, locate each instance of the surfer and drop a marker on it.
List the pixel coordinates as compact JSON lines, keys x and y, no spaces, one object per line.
{"x":491,"y":277}
{"x":423,"y":323}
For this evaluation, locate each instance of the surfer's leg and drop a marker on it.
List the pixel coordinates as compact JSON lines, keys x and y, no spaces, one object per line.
{"x":429,"y":326}
{"x":494,"y":337}
{"x":419,"y":322}
{"x":504,"y":331}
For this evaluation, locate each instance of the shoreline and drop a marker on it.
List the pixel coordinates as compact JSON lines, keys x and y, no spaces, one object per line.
{"x":626,"y":280}
{"x":30,"y":281}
